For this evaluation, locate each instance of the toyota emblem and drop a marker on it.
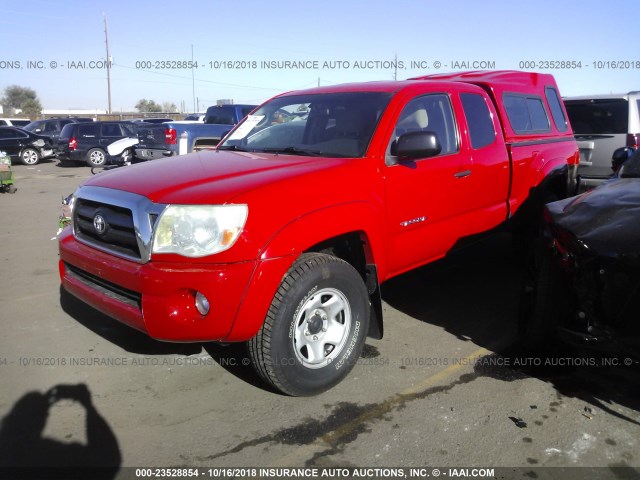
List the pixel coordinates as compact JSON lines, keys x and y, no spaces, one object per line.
{"x":99,"y":224}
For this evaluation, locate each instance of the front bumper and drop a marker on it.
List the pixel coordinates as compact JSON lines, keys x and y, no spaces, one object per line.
{"x":71,"y":155}
{"x":159,"y":298}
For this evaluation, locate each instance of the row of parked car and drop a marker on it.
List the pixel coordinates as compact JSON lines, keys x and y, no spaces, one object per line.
{"x":83,"y":140}
{"x":74,"y":139}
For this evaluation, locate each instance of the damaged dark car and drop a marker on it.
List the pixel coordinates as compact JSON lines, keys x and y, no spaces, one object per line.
{"x":582,"y":283}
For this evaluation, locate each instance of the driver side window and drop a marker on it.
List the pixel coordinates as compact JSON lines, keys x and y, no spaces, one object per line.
{"x":430,"y":113}
{"x":50,"y":127}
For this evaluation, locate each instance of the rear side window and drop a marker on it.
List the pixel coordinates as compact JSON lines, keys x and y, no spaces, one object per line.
{"x":129,"y":130}
{"x":478,"y":119}
{"x":220,"y":116}
{"x":526,"y":113}
{"x":598,"y":116}
{"x":111,"y":130}
{"x":87,"y":130}
{"x":67,"y":131}
{"x":8,"y":133}
{"x":556,"y":109}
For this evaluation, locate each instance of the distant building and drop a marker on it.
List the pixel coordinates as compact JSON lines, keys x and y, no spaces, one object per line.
{"x":74,"y":112}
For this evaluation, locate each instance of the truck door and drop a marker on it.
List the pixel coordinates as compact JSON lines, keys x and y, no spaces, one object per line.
{"x":489,"y":160}
{"x":427,"y":198}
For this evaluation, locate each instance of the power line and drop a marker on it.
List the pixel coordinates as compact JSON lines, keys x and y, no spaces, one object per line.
{"x":197,"y":79}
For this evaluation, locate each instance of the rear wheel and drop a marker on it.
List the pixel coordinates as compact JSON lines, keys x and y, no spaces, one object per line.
{"x":543,"y":302}
{"x":96,"y":157}
{"x":315,"y":328}
{"x":30,"y":156}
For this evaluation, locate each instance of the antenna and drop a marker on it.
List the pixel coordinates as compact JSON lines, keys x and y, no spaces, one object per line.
{"x":106,"y":41}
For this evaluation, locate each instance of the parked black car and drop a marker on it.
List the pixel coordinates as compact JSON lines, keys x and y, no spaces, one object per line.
{"x":24,"y":146}
{"x":87,"y":142}
{"x":583,"y":281}
{"x":51,"y":127}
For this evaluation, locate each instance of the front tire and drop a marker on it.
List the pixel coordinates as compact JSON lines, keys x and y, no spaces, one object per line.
{"x":315,"y":328}
{"x":96,"y":157}
{"x":30,"y":156}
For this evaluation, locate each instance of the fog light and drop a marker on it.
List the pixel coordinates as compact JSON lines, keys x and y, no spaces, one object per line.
{"x":202,"y":304}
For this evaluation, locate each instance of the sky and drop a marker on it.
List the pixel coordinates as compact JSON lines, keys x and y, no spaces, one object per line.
{"x":58,"y":48}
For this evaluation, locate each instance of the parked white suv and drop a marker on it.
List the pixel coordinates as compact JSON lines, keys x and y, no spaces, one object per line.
{"x":14,"y":122}
{"x":601,"y":124}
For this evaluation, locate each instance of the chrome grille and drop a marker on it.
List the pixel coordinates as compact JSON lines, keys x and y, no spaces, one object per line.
{"x":116,"y":222}
{"x":119,"y":234}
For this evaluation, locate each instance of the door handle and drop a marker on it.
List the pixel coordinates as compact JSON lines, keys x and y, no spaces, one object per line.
{"x":464,"y":173}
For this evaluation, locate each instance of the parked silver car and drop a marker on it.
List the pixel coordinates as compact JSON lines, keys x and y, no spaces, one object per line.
{"x":602,"y":123}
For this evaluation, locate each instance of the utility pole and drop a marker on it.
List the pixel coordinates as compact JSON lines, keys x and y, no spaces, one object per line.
{"x":193,"y":83}
{"x":106,"y":41}
{"x":395,"y":67}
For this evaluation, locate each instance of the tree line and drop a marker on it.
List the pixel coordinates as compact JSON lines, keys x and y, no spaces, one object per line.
{"x":25,"y":100}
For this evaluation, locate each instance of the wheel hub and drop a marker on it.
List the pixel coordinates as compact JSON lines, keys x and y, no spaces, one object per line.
{"x":322,"y":328}
{"x":316,"y":322}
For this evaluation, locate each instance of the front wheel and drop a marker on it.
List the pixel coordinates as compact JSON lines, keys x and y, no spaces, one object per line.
{"x":96,"y":157}
{"x":30,"y":156}
{"x":315,"y":328}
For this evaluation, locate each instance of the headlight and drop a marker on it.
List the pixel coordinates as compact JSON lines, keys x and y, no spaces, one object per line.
{"x":197,"y":231}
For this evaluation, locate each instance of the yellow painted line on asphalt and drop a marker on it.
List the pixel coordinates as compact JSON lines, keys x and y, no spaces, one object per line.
{"x":303,"y":452}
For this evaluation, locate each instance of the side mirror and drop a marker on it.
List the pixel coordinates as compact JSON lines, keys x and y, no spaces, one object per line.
{"x":420,"y":144}
{"x":620,"y":155}
{"x":37,"y":130}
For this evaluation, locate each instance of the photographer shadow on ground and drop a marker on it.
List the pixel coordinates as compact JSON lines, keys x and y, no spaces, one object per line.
{"x":25,"y":451}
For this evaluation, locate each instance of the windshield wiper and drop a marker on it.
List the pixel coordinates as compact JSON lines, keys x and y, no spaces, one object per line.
{"x":294,"y":151}
{"x":235,"y":148}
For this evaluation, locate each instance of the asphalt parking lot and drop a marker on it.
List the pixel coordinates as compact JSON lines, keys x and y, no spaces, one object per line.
{"x":444,"y":388}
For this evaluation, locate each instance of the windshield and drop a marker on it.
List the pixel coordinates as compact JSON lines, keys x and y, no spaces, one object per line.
{"x":598,"y":116}
{"x":32,"y":126}
{"x":329,"y":124}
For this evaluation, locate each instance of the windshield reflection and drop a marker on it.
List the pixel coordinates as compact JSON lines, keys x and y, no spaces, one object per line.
{"x":330,"y":124}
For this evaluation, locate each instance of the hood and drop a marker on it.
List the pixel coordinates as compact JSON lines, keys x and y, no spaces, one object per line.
{"x":606,"y":219}
{"x":213,"y":177}
{"x":119,"y":146}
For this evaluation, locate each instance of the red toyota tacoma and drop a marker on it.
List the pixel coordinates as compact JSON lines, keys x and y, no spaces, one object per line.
{"x":282,"y":236}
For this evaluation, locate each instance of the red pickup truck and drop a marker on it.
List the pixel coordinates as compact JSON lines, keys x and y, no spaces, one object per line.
{"x":282,"y":236}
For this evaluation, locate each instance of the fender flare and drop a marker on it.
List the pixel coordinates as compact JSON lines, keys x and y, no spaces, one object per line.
{"x":286,"y":245}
